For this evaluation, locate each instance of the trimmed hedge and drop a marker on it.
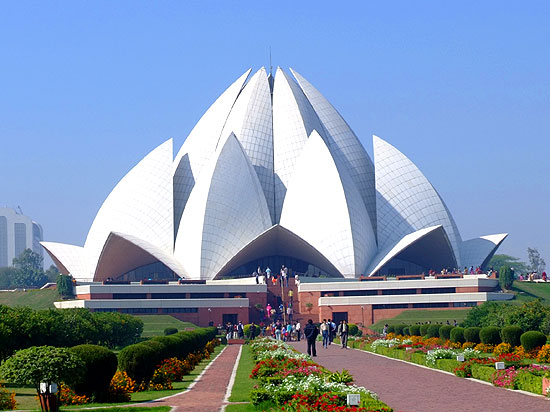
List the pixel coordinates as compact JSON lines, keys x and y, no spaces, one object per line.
{"x":353,"y":329}
{"x":511,"y":335}
{"x":484,"y":373}
{"x":407,"y":331}
{"x":433,"y":331}
{"x":399,"y":329}
{"x":101,"y":365}
{"x":472,"y":334}
{"x":246,"y":330}
{"x":490,"y":335}
{"x":414,"y":330}
{"x":391,"y":328}
{"x":139,"y":361}
{"x":528,"y":382}
{"x":445,"y":331}
{"x":532,"y":339}
{"x":424,"y":329}
{"x":170,"y":331}
{"x":448,"y":365}
{"x":457,"y":335}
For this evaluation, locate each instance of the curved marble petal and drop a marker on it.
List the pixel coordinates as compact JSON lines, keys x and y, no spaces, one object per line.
{"x":405,"y":200}
{"x":479,"y":251}
{"x":226,"y":210}
{"x":278,"y":241}
{"x":293,"y":121}
{"x":251,"y":121}
{"x":428,"y":247}
{"x":141,"y":205}
{"x":123,"y":253}
{"x":201,"y":144}
{"x":324,"y":207}
{"x":344,"y":145}
{"x":70,"y":260}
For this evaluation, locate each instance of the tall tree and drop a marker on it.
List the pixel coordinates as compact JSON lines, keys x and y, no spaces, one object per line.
{"x":29,"y":267}
{"x":498,"y":261}
{"x":536,"y":262}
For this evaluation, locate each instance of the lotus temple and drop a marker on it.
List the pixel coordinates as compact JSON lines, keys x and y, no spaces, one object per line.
{"x":272,"y":175}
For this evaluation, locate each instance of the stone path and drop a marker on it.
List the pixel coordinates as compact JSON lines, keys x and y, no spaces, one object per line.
{"x":409,"y":388}
{"x":208,"y":394}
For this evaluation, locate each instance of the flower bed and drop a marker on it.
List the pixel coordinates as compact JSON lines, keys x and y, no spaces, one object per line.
{"x":291,"y":381}
{"x":479,"y":359}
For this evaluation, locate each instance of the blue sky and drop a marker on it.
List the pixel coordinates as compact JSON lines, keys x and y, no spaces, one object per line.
{"x":463,"y":89}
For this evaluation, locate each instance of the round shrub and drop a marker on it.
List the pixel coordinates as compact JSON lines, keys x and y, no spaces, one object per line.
{"x":246,"y":330}
{"x":424,"y":329}
{"x":399,"y":329}
{"x":353,"y":329}
{"x":511,"y":335}
{"x":101,"y":365}
{"x":406,"y":331}
{"x":414,"y":330}
{"x":391,"y":328}
{"x":445,"y":332}
{"x":532,"y":339}
{"x":457,"y":335}
{"x":472,"y":334}
{"x":490,"y":335}
{"x":170,"y":331}
{"x":138,"y":361}
{"x":433,"y":331}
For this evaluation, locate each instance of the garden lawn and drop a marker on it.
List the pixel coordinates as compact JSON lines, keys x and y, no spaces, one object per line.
{"x":243,"y":384}
{"x":154,"y":325}
{"x":528,"y":291}
{"x":410,"y":317}
{"x":35,"y":299}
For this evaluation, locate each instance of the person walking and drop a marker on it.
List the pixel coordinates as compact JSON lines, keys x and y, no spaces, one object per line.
{"x":278,"y":328}
{"x":298,"y":331}
{"x":228,"y":330}
{"x":343,"y":333}
{"x":331,"y":331}
{"x":252,"y":331}
{"x":310,"y":332}
{"x":240,"y":330}
{"x":325,"y":330}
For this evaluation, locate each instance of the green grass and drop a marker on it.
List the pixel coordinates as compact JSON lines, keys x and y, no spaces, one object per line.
{"x":528,"y":291}
{"x":35,"y":299}
{"x":154,"y":325}
{"x":410,"y":317}
{"x":26,"y":397}
{"x":241,"y":407}
{"x":243,"y":384}
{"x":131,"y":409}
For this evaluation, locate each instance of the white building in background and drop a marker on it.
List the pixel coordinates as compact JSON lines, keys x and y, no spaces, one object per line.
{"x":17,"y":233}
{"x":270,"y":175}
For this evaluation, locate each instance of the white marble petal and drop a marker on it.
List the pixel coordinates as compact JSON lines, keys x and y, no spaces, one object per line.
{"x":344,"y":145}
{"x":324,"y":207}
{"x":201,"y":144}
{"x":140,"y":205}
{"x":405,"y":200}
{"x":477,"y":252}
{"x":70,"y":259}
{"x":226,"y":210}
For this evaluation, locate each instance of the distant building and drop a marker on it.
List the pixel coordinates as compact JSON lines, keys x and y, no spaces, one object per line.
{"x":17,"y":233}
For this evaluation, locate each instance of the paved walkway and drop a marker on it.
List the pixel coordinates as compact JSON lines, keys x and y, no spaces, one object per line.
{"x":207,"y":395}
{"x":409,"y":388}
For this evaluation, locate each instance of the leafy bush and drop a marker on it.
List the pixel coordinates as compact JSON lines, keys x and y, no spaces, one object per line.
{"x":341,"y":377}
{"x":170,"y":331}
{"x":65,"y":285}
{"x":414,"y":330}
{"x":399,"y":329}
{"x":406,"y":331}
{"x":490,"y":335}
{"x":511,"y":335}
{"x":528,"y":382}
{"x":100,"y":367}
{"x":7,"y":399}
{"x":424,"y":329}
{"x":353,"y":329}
{"x":532,"y":339}
{"x":484,"y":373}
{"x":471,"y":334}
{"x":433,"y":331}
{"x":457,"y":335}
{"x":246,"y":330}
{"x":445,"y":332}
{"x":505,"y":277}
{"x":391,"y":329}
{"x":138,"y":361}
{"x":121,"y":387}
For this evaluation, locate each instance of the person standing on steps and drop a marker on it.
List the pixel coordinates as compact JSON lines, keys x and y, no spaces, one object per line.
{"x":311,"y":332}
{"x":343,"y":333}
